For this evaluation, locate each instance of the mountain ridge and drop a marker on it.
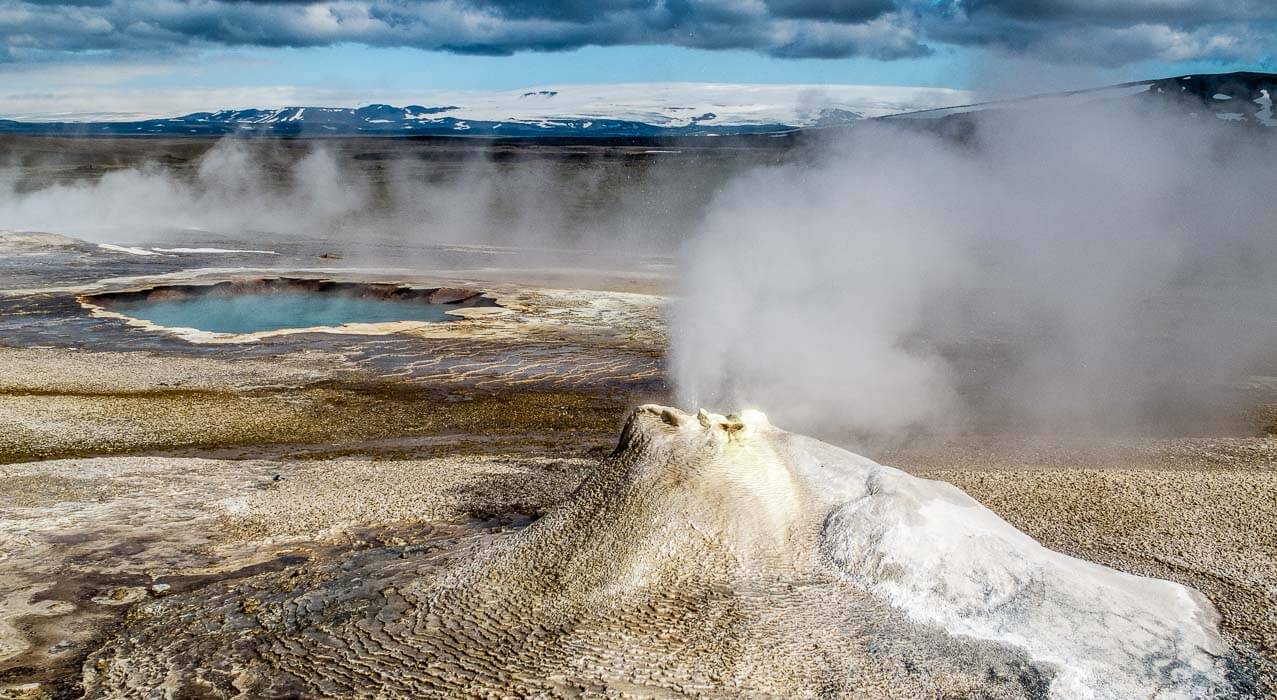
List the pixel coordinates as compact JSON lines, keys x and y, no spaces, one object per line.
{"x":1239,"y":96}
{"x":1245,"y":97}
{"x":387,"y":120}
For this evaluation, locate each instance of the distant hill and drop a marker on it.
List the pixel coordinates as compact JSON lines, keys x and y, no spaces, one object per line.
{"x":620,"y":110}
{"x":1243,"y":97}
{"x":381,"y":120}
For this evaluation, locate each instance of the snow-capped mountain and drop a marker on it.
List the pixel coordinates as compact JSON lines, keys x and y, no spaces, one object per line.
{"x":666,"y":109}
{"x":1242,"y":97}
{"x":386,"y":120}
{"x":673,"y":109}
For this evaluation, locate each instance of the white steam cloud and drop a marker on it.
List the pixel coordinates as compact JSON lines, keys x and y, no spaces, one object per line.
{"x":1094,"y":269}
{"x":362,"y":193}
{"x":230,"y":190}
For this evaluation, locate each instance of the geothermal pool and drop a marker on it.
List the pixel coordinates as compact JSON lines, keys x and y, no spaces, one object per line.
{"x":255,"y":305}
{"x":256,"y":312}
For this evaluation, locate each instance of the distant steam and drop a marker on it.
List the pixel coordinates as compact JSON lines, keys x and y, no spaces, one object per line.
{"x":230,"y":190}
{"x":322,"y":190}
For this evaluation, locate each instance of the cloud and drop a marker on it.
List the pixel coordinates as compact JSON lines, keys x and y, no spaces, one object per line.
{"x":465,"y":26}
{"x":1197,"y":11}
{"x":1100,"y":32}
{"x":1110,"y":33}
{"x":831,"y":10}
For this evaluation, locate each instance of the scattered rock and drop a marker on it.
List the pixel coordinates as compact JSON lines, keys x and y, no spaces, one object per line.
{"x":24,"y":691}
{"x":121,"y":595}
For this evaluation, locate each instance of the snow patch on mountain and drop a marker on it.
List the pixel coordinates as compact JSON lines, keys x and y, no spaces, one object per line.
{"x":1265,"y":113}
{"x":682,"y":104}
{"x":621,"y":109}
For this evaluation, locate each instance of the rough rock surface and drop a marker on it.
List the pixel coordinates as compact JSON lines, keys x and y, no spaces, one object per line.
{"x":711,"y":556}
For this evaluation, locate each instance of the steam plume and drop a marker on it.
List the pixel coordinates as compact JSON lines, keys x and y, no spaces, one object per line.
{"x":1097,"y":269}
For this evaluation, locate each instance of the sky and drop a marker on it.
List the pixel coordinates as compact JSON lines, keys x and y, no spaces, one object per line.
{"x":157,"y":56}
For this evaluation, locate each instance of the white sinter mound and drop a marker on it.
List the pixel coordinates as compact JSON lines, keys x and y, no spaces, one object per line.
{"x":935,"y":553}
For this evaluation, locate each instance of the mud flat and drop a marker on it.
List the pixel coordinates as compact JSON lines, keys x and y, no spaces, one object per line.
{"x":77,"y":379}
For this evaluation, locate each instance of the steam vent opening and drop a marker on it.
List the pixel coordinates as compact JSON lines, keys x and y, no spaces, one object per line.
{"x":256,"y":305}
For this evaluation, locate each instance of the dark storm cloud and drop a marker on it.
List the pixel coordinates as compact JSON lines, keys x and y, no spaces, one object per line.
{"x":1199,"y":11}
{"x":574,"y":10}
{"x":472,"y":26}
{"x":1081,"y":31}
{"x":831,"y":10}
{"x":1109,"y":32}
